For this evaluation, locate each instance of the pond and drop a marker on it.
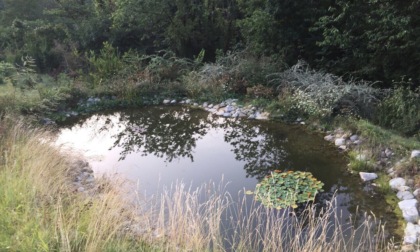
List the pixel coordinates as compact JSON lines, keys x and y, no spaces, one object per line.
{"x":156,"y":146}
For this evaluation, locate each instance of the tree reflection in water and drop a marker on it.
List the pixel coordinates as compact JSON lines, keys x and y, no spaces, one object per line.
{"x":172,"y":133}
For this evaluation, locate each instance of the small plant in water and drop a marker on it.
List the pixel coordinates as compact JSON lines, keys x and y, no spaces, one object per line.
{"x":284,"y":189}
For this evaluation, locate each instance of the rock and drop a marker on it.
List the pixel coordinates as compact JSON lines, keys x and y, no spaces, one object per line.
{"x":390,"y":170}
{"x":205,"y":104}
{"x":411,"y":233}
{"x":396,"y":183}
{"x":354,"y":138}
{"x":415,"y":154}
{"x":212,"y":110}
{"x":210,"y":106}
{"x":342,"y":147}
{"x":329,"y":138}
{"x":409,"y":210}
{"x":173,"y":101}
{"x":252,"y":116}
{"x":405,"y":195}
{"x":404,"y":188}
{"x":302,"y":123}
{"x":388,"y":152}
{"x":226,"y":114}
{"x":229,"y":109}
{"x":47,"y":121}
{"x":188,"y":101}
{"x":357,"y":142}
{"x":220,"y":113}
{"x":195,"y":104}
{"x":166,"y":101}
{"x":368,"y":176}
{"x":81,"y":189}
{"x":262,"y":116}
{"x":416,"y":192}
{"x":340,"y":141}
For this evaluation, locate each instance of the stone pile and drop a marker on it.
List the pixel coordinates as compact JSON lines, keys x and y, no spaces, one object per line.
{"x":228,"y":108}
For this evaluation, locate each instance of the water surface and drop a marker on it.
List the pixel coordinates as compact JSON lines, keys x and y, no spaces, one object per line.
{"x":155,"y":147}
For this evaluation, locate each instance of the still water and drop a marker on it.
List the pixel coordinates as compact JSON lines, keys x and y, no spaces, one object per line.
{"x":157,"y":146}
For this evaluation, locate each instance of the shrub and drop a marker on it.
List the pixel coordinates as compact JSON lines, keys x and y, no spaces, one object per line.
{"x":400,"y":111}
{"x":329,"y":93}
{"x":210,"y":82}
{"x":6,"y":71}
{"x":105,"y":65}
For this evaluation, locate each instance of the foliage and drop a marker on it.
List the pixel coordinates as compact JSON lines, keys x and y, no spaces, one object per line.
{"x":284,"y":189}
{"x":6,"y":71}
{"x":371,"y":39}
{"x":400,"y":111}
{"x":105,"y":65}
{"x":318,"y":93}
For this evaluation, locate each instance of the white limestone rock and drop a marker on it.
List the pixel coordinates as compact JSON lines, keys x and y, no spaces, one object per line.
{"x":409,"y":210}
{"x":405,"y":195}
{"x":415,"y":154}
{"x":354,"y":138}
{"x":368,"y":176}
{"x":411,"y":233}
{"x":329,"y":138}
{"x":396,"y":183}
{"x":340,"y":141}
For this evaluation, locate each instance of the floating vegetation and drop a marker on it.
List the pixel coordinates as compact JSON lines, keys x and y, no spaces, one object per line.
{"x":284,"y":189}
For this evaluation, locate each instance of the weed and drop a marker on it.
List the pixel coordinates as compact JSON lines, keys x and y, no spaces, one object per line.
{"x":359,"y":162}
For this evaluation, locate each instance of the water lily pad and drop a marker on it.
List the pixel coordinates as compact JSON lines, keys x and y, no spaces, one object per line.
{"x":284,"y":189}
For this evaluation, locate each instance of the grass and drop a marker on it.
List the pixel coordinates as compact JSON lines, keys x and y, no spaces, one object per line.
{"x":41,"y":211}
{"x":359,"y":162}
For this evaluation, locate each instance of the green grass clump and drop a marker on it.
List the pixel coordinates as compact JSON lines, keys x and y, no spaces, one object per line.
{"x":359,"y":162}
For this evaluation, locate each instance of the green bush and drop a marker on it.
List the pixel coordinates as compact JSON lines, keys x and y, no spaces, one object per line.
{"x":326,"y":94}
{"x":6,"y":71}
{"x":400,"y":111}
{"x":105,"y":65}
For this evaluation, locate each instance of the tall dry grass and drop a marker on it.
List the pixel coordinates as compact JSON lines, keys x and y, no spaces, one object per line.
{"x":40,"y":209}
{"x":207,"y":219}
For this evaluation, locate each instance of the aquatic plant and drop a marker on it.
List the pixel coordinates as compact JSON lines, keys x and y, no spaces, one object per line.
{"x":284,"y":189}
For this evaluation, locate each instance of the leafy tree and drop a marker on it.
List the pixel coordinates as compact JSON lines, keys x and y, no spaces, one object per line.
{"x":280,"y":27}
{"x":376,"y":40}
